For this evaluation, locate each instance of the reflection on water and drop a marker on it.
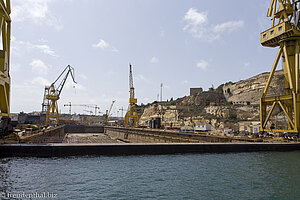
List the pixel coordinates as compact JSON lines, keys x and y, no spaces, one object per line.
{"x":266,"y":175}
{"x":5,"y":171}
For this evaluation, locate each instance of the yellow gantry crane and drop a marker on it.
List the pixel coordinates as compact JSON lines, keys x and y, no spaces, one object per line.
{"x":52,"y":95}
{"x":132,"y":111}
{"x":5,"y":126}
{"x":285,"y":34}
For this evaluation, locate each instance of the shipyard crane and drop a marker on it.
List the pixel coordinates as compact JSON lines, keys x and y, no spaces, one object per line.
{"x":5,"y":83}
{"x":82,"y":105}
{"x":88,"y":111}
{"x":285,"y":34}
{"x":70,"y":109}
{"x":52,"y":94}
{"x":106,"y":116}
{"x":131,"y":113}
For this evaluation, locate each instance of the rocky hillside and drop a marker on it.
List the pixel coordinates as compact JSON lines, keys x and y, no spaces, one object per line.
{"x":250,"y":90}
{"x":223,"y":107}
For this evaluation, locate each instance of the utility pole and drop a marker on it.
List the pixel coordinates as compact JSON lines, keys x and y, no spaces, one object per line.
{"x":161,"y":90}
{"x":122,"y":109}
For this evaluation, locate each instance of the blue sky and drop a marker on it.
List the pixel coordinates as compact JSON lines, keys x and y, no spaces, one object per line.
{"x":180,"y":43}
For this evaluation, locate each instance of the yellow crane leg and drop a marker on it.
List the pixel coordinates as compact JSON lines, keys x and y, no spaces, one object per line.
{"x":290,"y":102}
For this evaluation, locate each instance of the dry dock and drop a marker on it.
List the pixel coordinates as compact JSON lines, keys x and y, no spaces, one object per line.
{"x":89,"y":140}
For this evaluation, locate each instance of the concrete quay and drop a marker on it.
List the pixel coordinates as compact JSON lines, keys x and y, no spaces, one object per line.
{"x":63,"y":150}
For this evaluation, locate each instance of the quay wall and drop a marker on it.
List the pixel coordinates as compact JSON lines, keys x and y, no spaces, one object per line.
{"x":59,"y":150}
{"x":57,"y":134}
{"x":146,"y":135}
{"x":53,"y":135}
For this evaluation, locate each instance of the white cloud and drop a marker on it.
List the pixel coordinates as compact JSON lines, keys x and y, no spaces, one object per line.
{"x":198,"y":26}
{"x":154,"y":60}
{"x":101,"y":44}
{"x":18,"y":46}
{"x":228,"y":27}
{"x":45,"y":49}
{"x":202,"y":64}
{"x":105,"y":45}
{"x":194,"y":18}
{"x":39,"y":67}
{"x":40,"y":81}
{"x":36,"y":11}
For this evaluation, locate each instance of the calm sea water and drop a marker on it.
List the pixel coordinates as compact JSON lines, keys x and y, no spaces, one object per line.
{"x":268,"y":175}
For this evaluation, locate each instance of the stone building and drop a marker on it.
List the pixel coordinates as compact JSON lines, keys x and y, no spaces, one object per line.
{"x":195,"y":91}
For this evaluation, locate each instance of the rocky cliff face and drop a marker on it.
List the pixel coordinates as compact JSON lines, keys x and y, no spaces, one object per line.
{"x":250,"y":90}
{"x":222,"y":108}
{"x":204,"y":98}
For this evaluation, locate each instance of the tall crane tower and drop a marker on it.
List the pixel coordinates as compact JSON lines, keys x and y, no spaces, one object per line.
{"x":285,"y":34}
{"x":52,"y":94}
{"x":5,"y":127}
{"x":131,"y":112}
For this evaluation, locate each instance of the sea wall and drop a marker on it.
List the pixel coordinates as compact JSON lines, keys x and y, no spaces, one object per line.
{"x":57,"y":150}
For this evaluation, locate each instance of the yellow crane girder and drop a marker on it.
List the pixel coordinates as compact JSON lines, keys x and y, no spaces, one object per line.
{"x":5,"y":82}
{"x":284,"y":34}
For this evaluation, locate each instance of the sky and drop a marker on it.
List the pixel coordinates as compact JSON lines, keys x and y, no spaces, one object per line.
{"x":180,"y":43}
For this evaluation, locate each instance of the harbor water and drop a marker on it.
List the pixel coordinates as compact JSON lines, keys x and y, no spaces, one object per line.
{"x":262,"y":175}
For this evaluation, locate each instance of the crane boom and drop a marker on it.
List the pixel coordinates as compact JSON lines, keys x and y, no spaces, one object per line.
{"x":106,"y":116}
{"x":83,"y":105}
{"x":69,"y":70}
{"x":131,"y":83}
{"x":112,"y":104}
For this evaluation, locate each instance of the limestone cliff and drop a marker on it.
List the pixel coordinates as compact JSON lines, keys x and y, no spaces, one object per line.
{"x":223,"y":107}
{"x":250,"y":90}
